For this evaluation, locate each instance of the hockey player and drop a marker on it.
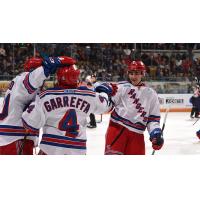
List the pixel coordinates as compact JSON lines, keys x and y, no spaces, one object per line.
{"x":136,"y":108}
{"x":62,"y":112}
{"x":22,"y":90}
{"x":195,"y":101}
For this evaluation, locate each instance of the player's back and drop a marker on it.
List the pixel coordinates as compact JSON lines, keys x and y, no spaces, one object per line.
{"x":15,"y":101}
{"x":65,"y":112}
{"x":73,"y":104}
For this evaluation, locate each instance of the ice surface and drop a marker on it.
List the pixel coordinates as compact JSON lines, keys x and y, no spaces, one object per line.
{"x":179,"y":134}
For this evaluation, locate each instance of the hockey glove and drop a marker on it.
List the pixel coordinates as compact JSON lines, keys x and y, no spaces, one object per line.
{"x":50,"y":65}
{"x":109,"y":88}
{"x":66,"y":61}
{"x":198,"y":134}
{"x":156,"y":139}
{"x":32,"y":63}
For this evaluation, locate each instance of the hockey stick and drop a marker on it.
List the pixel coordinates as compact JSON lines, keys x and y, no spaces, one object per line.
{"x":99,"y":121}
{"x":163,"y":126}
{"x":196,"y":121}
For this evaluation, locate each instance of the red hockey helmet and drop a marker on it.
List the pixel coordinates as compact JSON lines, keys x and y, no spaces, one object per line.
{"x":136,"y":66}
{"x":32,"y":63}
{"x":68,"y":76}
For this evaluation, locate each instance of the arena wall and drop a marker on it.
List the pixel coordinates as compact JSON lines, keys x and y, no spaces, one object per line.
{"x":176,"y":102}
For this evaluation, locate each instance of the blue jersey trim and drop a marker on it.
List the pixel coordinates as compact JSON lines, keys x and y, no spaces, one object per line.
{"x":30,"y":89}
{"x":17,"y":134}
{"x":62,"y":145}
{"x":127,"y":122}
{"x":63,"y":137}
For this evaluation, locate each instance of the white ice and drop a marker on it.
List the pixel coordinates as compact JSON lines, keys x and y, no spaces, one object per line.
{"x":179,"y":134}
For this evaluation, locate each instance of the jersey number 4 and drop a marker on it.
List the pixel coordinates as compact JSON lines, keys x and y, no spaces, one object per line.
{"x":69,"y":123}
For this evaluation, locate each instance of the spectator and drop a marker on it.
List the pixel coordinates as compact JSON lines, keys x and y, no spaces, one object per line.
{"x":110,"y":57}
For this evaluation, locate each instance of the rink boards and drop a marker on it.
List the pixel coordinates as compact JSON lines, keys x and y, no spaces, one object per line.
{"x":176,"y":102}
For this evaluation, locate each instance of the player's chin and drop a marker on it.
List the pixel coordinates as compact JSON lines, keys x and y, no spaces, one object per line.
{"x":134,"y":81}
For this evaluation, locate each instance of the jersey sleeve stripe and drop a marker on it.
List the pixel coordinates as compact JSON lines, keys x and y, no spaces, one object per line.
{"x":12,"y":127}
{"x":6,"y":130}
{"x":17,"y":134}
{"x":28,"y":85}
{"x":153,"y":118}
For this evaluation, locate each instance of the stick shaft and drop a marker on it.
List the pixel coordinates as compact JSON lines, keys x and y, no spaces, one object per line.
{"x":163,"y":126}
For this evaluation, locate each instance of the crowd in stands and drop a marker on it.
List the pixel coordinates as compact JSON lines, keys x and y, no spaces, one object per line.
{"x":108,"y":61}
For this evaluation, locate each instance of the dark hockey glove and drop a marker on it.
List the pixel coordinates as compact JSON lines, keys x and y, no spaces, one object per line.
{"x":50,"y":65}
{"x":156,"y":139}
{"x":198,"y":134}
{"x":109,"y":88}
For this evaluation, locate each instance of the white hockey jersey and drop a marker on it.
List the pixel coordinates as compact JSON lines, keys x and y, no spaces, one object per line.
{"x":136,"y":107}
{"x":22,"y":90}
{"x":62,"y":113}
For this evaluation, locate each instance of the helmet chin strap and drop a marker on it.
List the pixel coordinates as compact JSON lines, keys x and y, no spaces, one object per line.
{"x":140,"y":83}
{"x":137,"y":83}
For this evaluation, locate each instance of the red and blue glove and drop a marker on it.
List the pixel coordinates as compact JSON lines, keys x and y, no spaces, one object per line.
{"x":50,"y":65}
{"x":157,"y":139}
{"x":198,"y":134}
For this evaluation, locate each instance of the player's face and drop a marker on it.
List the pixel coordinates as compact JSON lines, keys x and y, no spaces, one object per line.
{"x":135,"y":76}
{"x":93,"y":79}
